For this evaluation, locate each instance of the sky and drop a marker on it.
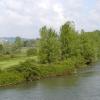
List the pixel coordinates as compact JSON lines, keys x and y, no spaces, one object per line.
{"x":24,"y":18}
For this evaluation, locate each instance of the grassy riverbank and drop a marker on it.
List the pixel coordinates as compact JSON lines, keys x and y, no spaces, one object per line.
{"x":29,"y":70}
{"x":6,"y":61}
{"x":55,"y":54}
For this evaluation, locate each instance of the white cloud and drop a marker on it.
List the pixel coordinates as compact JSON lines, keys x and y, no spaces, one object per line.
{"x":27,"y":16}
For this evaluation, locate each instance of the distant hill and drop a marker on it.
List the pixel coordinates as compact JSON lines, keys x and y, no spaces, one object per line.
{"x":9,"y":39}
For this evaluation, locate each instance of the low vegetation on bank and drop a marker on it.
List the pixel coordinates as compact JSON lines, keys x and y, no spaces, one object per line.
{"x":30,"y":70}
{"x":55,"y":54}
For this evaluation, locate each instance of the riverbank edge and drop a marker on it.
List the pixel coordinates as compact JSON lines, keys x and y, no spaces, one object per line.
{"x":47,"y":71}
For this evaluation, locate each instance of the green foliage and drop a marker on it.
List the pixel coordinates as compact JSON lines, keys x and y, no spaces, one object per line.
{"x":18,"y":42}
{"x":69,"y":44}
{"x":31,"y":52}
{"x":9,"y":78}
{"x":88,"y":48}
{"x":16,"y":46}
{"x":58,"y":54}
{"x":28,"y":69}
{"x":49,"y":46}
{"x":1,"y":49}
{"x":68,"y":39}
{"x":30,"y":43}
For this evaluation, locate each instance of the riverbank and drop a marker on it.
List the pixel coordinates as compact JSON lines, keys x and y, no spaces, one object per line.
{"x":74,"y":87}
{"x":30,"y":71}
{"x":8,"y":61}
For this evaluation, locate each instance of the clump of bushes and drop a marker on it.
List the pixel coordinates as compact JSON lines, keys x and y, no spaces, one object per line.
{"x":28,"y":69}
{"x":31,"y":52}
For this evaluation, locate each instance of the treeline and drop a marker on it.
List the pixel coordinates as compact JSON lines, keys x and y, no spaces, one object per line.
{"x":18,"y":46}
{"x":58,"y":54}
{"x":68,"y":44}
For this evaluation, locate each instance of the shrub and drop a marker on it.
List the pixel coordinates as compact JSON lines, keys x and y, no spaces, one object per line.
{"x":28,"y":69}
{"x":31,"y":51}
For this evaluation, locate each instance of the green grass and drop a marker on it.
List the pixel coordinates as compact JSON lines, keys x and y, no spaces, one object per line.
{"x":25,"y":69}
{"x":9,"y":78}
{"x":5,"y":63}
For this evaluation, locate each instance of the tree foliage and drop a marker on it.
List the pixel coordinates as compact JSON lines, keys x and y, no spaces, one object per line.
{"x":49,"y":44}
{"x":69,"y":40}
{"x":1,"y":49}
{"x":68,"y":44}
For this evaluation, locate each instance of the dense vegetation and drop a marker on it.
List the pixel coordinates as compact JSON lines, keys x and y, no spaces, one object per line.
{"x":67,"y":44}
{"x":55,"y":54}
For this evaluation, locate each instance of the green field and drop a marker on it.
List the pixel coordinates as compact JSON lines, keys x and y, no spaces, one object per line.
{"x":5,"y":63}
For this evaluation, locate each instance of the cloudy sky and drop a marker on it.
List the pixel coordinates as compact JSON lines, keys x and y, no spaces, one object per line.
{"x":25,"y":17}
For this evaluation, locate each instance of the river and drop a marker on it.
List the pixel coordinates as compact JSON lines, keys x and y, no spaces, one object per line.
{"x":83,"y":86}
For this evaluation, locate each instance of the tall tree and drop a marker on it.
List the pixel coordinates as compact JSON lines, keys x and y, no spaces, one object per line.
{"x":69,"y":40}
{"x":18,"y":42}
{"x":16,"y":47}
{"x":49,"y":46}
{"x":88,"y":47}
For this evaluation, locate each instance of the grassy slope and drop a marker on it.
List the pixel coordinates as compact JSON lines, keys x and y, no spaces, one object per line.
{"x":5,"y":63}
{"x":30,"y":70}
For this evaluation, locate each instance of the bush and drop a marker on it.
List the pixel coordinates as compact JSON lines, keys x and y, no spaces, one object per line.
{"x":31,"y":51}
{"x":28,"y":69}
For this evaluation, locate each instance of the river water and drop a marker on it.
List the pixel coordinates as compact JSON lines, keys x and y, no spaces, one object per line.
{"x":84,"y":86}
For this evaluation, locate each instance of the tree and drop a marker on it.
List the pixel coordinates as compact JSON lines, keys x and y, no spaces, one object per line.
{"x":16,"y":47}
{"x":69,"y":40}
{"x":69,"y":44}
{"x":1,"y":49}
{"x":18,"y":42}
{"x":88,"y":47}
{"x":29,"y":43}
{"x":31,"y":52}
{"x":49,"y":46}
